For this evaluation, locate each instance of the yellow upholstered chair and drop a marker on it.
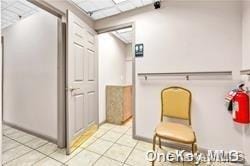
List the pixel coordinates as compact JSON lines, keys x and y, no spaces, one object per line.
{"x":176,"y":103}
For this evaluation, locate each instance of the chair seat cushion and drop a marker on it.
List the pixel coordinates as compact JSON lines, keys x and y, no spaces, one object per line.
{"x":175,"y":132}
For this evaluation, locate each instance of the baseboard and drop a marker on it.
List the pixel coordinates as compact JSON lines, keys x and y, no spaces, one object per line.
{"x":45,"y":137}
{"x":180,"y":146}
{"x":168,"y":144}
{"x":101,"y":123}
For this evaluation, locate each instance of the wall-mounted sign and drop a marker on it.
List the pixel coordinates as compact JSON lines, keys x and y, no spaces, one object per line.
{"x":139,"y":49}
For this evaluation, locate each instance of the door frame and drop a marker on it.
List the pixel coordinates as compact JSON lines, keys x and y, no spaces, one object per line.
{"x":2,"y":81}
{"x":62,"y":64}
{"x":118,"y":27}
{"x":61,"y":69}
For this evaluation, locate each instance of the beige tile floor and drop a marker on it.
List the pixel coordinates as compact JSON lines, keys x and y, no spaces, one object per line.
{"x":111,"y":145}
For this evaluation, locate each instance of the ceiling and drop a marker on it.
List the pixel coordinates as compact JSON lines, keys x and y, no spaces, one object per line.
{"x":124,"y":35}
{"x":104,"y":8}
{"x":14,"y":10}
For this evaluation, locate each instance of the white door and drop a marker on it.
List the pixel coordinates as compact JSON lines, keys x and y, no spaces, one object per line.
{"x":82,"y":99}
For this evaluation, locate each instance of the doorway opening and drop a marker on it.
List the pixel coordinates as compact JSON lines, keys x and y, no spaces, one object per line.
{"x":116,"y":78}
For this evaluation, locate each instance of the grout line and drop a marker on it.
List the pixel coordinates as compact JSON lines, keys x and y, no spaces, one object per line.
{"x":130,"y":153}
{"x":102,"y":155}
{"x":16,"y":157}
{"x":90,"y":144}
{"x":12,"y":147}
{"x":23,"y":144}
{"x":81,"y":149}
{"x":39,"y":160}
{"x":85,"y":148}
{"x":14,"y":139}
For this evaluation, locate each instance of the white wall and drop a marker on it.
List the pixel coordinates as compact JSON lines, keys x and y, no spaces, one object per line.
{"x":129,"y":64}
{"x":112,"y":55}
{"x":0,"y":90}
{"x":30,"y":74}
{"x":246,"y":35}
{"x":188,"y":36}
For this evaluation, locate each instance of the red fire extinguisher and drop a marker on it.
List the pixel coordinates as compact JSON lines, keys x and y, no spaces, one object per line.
{"x":241,"y":106}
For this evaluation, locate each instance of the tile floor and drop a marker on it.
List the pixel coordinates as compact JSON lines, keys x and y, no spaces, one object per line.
{"x":111,"y":145}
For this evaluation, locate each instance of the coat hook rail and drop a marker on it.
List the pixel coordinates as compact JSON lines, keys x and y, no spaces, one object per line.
{"x":187,"y":75}
{"x":245,"y":72}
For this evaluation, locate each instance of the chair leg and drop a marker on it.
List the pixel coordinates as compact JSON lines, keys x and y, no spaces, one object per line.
{"x":194,"y":147}
{"x":154,"y":141}
{"x":159,"y":142}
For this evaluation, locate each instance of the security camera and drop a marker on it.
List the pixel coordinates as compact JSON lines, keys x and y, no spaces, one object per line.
{"x":157,"y":4}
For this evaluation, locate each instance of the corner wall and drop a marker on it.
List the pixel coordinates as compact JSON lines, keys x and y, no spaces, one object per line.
{"x":188,"y":36}
{"x":30,"y":74}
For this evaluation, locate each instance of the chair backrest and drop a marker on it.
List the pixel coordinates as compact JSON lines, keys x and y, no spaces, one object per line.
{"x":176,"y":103}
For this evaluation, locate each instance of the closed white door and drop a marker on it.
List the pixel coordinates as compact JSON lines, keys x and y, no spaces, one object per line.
{"x":82,"y":99}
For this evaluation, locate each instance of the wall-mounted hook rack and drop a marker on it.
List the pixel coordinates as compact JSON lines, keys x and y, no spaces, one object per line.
{"x":245,"y":72}
{"x":187,"y":75}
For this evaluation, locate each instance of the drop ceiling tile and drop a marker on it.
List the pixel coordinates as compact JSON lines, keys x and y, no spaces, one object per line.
{"x":87,"y":6}
{"x":119,"y":1}
{"x":124,"y":35}
{"x":111,"y":11}
{"x":120,"y":37}
{"x":12,"y":9}
{"x":147,"y":2}
{"x":98,"y":15}
{"x":125,"y":6}
{"x":94,"y":5}
{"x":9,"y":14}
{"x":127,"y":36}
{"x":109,"y":7}
{"x":4,"y":4}
{"x":103,"y":4}
{"x":21,"y":6}
{"x":25,"y":2}
{"x":3,"y":19}
{"x":29,"y":13}
{"x":15,"y":10}
{"x":137,"y":3}
{"x":78,"y":1}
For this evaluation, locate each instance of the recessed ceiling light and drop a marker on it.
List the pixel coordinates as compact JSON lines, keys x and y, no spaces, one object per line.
{"x":119,"y":1}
